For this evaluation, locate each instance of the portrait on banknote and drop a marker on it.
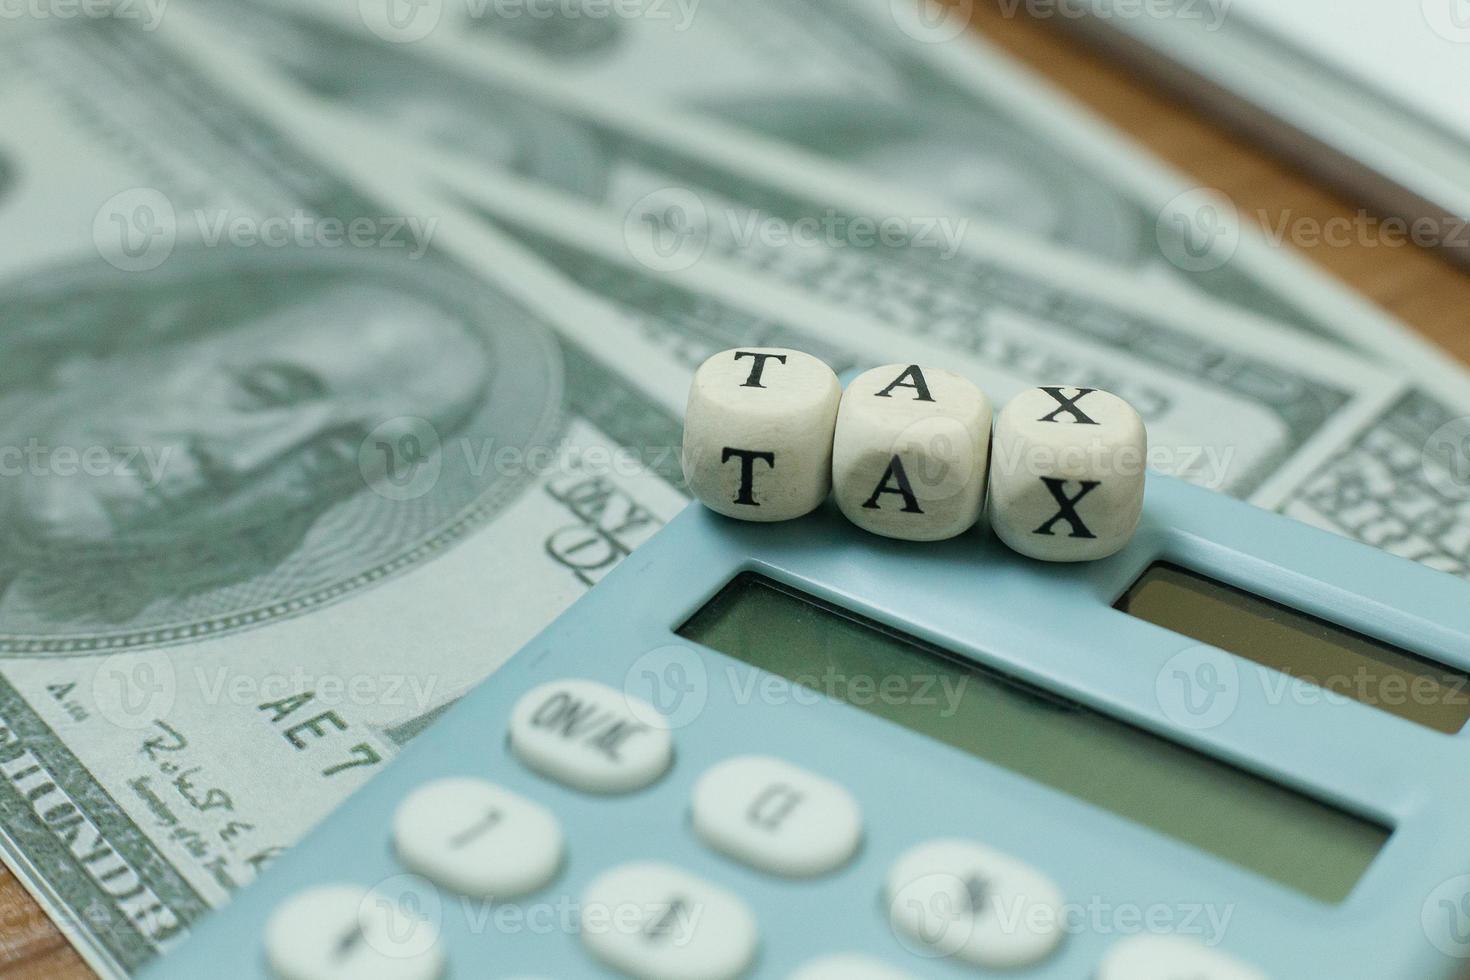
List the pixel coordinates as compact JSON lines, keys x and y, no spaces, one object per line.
{"x":238,"y":436}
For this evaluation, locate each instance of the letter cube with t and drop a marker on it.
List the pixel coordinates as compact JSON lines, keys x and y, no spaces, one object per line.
{"x":1067,"y":473}
{"x":910,"y":452}
{"x":758,"y":433}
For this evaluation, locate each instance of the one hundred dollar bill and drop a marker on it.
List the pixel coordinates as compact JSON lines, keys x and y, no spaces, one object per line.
{"x":287,"y":467}
{"x":898,"y":89}
{"x":688,"y":193}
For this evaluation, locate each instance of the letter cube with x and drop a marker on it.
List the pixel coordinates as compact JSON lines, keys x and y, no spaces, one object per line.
{"x":758,"y":433}
{"x":1067,"y":473}
{"x":910,"y":451}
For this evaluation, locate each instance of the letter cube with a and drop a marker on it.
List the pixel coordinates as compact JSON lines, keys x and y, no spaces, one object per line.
{"x":910,"y":452}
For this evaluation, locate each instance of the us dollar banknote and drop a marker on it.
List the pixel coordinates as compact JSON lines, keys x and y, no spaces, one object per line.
{"x":903,"y":91}
{"x":288,"y":467}
{"x":687,"y":193}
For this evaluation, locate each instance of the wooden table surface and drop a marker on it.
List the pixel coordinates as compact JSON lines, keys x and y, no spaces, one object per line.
{"x":1418,"y":287}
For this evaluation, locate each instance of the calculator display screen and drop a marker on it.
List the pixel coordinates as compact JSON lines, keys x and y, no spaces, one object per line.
{"x":1338,"y":660}
{"x":1276,"y":832}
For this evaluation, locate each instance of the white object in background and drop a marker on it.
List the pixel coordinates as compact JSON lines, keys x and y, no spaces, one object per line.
{"x":910,"y":452}
{"x":1067,"y":473}
{"x":1369,"y":94}
{"x":758,"y":433}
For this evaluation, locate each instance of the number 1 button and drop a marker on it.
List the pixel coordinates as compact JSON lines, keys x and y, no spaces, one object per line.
{"x":478,"y":839}
{"x":776,"y":817}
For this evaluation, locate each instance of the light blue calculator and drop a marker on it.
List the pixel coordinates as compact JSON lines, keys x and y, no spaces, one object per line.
{"x":1232,"y":751}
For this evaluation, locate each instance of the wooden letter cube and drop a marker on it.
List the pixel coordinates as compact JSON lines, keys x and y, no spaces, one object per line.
{"x":1067,"y":473}
{"x":758,"y":433}
{"x":910,"y":452}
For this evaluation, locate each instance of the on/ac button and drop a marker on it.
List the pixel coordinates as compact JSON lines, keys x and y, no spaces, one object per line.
{"x":589,"y":736}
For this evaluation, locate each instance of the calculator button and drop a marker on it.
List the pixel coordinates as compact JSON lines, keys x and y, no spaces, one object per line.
{"x":1171,"y":958}
{"x":475,"y":838}
{"x":776,"y":817}
{"x":657,"y":922}
{"x":340,"y":933}
{"x":590,"y":736}
{"x":847,"y":967}
{"x":957,"y":898}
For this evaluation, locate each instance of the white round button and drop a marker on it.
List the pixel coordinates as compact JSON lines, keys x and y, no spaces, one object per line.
{"x":1149,"y":957}
{"x":340,"y":932}
{"x":590,"y":736}
{"x":847,"y":966}
{"x":657,"y":922}
{"x":958,"y":898}
{"x":478,"y":839}
{"x":776,"y":817}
